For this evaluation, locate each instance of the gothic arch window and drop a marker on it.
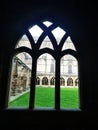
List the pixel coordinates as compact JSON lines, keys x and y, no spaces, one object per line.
{"x":42,"y":39}
{"x":20,"y":79}
{"x":69,"y":68}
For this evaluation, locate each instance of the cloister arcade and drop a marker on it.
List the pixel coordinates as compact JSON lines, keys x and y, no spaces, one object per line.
{"x":50,"y":81}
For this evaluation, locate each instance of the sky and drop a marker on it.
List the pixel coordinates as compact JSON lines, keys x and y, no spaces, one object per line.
{"x":37,"y":31}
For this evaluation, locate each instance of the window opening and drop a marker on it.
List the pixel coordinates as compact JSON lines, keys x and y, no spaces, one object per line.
{"x":68,"y":44}
{"x":24,"y":42}
{"x":69,"y":82}
{"x":69,"y":96}
{"x":47,"y":23}
{"x":45,"y":81}
{"x":45,"y":91}
{"x":58,"y":36}
{"x":54,"y":68}
{"x":20,"y":80}
{"x":46,"y":43}
{"x":35,"y":31}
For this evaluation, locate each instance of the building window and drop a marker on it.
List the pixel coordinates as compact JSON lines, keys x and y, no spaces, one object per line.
{"x":47,"y":58}
{"x":69,"y":68}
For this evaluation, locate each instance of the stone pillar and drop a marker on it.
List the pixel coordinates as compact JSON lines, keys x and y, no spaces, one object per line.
{"x":19,"y":84}
{"x":14,"y":84}
{"x":24,"y":83}
{"x":73,"y":81}
{"x":27,"y":83}
{"x":14,"y":78}
{"x":40,"y":81}
{"x":65,"y":82}
{"x":48,"y":81}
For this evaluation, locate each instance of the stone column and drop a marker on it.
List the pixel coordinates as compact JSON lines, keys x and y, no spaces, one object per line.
{"x":65,"y":82}
{"x":24,"y":83}
{"x":14,"y":85}
{"x":19,"y":84}
{"x":41,"y":81}
{"x":73,"y":81}
{"x":48,"y":81}
{"x":14,"y":78}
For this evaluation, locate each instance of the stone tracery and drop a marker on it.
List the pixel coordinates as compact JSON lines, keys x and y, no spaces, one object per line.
{"x":47,"y":46}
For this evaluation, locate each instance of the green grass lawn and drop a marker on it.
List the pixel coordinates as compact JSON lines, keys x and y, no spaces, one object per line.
{"x":45,"y":98}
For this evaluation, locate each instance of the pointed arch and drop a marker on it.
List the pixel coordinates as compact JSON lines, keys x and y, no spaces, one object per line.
{"x":45,"y":81}
{"x":47,"y":23}
{"x":44,"y":63}
{"x":46,"y":43}
{"x":24,"y":42}
{"x":58,"y":46}
{"x":58,"y":36}
{"x":69,"y":82}
{"x":20,"y":77}
{"x":47,"y":32}
{"x":36,"y":32}
{"x":68,"y":44}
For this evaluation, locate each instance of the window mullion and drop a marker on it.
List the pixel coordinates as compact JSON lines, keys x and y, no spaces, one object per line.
{"x":33,"y":84}
{"x":57,"y":85}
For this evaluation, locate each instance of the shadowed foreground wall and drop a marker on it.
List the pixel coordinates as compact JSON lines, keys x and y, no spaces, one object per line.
{"x":80,"y":21}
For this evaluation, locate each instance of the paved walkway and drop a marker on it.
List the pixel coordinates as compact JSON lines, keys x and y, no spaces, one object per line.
{"x":18,"y":95}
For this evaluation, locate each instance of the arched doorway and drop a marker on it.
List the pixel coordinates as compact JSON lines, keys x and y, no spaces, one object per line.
{"x":45,"y":81}
{"x":37,"y":81}
{"x":69,"y":82}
